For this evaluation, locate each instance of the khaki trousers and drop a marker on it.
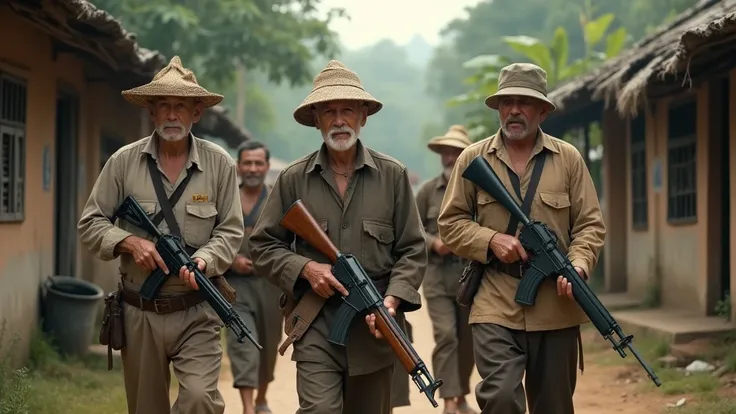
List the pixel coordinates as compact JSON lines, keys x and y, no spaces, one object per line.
{"x":549,"y":359}
{"x":452,"y":356}
{"x":257,"y":302}
{"x":325,"y":389}
{"x":190,"y":340}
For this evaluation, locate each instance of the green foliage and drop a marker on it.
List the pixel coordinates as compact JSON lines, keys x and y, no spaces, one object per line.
{"x":14,"y":383}
{"x":278,"y":37}
{"x":552,"y":56}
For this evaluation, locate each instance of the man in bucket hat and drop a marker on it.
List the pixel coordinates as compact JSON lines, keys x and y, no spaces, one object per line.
{"x":177,"y":326}
{"x":551,"y":177}
{"x":363,"y":200}
{"x":452,"y":357}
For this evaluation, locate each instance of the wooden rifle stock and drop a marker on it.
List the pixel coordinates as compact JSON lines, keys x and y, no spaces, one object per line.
{"x":298,"y":221}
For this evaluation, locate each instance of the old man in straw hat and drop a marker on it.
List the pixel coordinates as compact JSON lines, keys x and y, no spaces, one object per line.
{"x":190,"y":187}
{"x":363,"y":200}
{"x":549,"y":179}
{"x":452,"y":358}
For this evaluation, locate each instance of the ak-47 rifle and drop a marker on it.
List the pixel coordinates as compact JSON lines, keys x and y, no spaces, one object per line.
{"x":546,"y":260}
{"x":173,"y":254}
{"x":363,"y":298}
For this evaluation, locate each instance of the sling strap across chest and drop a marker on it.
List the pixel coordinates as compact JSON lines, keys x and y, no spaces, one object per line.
{"x":526,"y":205}
{"x":167,"y":204}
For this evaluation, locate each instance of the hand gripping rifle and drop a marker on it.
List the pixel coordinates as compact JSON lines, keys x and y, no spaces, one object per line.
{"x":173,"y":254}
{"x":363,"y":297}
{"x":546,"y":260}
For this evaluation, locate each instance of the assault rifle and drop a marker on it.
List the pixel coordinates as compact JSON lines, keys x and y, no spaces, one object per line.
{"x":363,"y":298}
{"x":173,"y":254}
{"x":546,"y":260}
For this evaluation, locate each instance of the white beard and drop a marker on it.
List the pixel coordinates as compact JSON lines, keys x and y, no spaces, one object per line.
{"x":343,"y":144}
{"x":168,"y":136}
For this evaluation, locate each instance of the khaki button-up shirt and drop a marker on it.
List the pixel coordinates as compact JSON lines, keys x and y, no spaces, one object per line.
{"x":443,"y":272}
{"x":208,"y":213}
{"x":566,"y":201}
{"x":377,"y":221}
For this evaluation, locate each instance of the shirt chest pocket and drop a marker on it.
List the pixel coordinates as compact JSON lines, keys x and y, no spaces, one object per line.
{"x":556,"y":209}
{"x":487,"y":208}
{"x":432,"y":214}
{"x":199,"y":221}
{"x":377,"y":242}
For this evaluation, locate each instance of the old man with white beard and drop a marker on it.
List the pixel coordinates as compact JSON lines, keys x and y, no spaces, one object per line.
{"x":188,"y":186}
{"x":363,"y":201}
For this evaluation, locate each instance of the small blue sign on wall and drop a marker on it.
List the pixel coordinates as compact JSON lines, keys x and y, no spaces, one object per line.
{"x":657,"y":175}
{"x":46,"y":168}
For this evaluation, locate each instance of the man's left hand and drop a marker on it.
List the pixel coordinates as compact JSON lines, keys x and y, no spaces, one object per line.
{"x":187,"y":276}
{"x":564,"y":287}
{"x":391,"y":303}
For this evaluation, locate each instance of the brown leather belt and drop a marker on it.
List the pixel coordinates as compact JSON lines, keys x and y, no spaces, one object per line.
{"x":162,"y":305}
{"x":511,"y":269}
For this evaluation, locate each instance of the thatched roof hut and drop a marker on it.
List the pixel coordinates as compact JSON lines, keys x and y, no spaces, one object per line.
{"x":672,"y":50}
{"x":80,"y":26}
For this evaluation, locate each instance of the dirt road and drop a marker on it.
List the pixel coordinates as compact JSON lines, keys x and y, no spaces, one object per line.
{"x":600,"y":390}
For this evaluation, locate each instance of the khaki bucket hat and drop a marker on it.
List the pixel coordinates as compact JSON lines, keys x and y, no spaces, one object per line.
{"x":455,"y":137}
{"x":523,"y":79}
{"x":335,"y":82}
{"x":173,"y":80}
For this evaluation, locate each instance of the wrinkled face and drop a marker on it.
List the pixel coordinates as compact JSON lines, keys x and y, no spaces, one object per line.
{"x":173,"y":117}
{"x":448,"y":156}
{"x":520,"y":116}
{"x":253,"y":167}
{"x":340,"y":123}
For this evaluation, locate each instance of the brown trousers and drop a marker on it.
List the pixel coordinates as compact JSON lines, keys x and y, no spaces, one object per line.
{"x":190,"y":339}
{"x":549,"y":359}
{"x":320,"y":389}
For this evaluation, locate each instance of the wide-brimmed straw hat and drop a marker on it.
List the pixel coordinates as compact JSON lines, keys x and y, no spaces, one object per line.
{"x":455,"y":137}
{"x":172,"y":80}
{"x":523,"y":79}
{"x":335,"y":82}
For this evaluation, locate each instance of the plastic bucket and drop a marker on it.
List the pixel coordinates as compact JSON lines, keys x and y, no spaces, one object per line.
{"x":71,"y":308}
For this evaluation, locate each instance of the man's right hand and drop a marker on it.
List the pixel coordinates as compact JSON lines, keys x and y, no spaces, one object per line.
{"x":242,"y":265}
{"x":507,"y":248}
{"x":320,"y":277}
{"x":440,"y":248}
{"x":144,"y":253}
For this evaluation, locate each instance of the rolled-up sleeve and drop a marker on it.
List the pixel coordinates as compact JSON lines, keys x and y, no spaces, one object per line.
{"x":270,"y":242}
{"x":410,"y":248}
{"x":457,"y":230}
{"x":228,"y":234}
{"x":96,"y":232}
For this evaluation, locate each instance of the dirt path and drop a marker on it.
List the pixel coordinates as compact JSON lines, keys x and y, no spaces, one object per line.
{"x":600,"y":390}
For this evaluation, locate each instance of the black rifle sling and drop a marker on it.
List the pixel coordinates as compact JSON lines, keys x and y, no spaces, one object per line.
{"x":167,"y":204}
{"x":529,"y":196}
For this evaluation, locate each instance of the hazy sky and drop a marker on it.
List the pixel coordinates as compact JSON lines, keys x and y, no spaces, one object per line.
{"x":399,"y":20}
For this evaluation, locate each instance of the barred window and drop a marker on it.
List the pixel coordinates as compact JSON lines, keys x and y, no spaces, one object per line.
{"x":13,"y":103}
{"x":639,"y":198}
{"x":681,"y":163}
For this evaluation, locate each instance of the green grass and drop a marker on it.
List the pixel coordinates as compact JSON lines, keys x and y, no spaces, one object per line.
{"x":702,"y":390}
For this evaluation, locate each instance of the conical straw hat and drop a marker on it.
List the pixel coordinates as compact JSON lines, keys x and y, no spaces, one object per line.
{"x":335,"y":82}
{"x":456,"y":137}
{"x":172,"y":80}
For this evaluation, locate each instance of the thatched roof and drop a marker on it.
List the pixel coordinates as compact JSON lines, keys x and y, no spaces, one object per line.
{"x":623,"y":81}
{"x":79,"y":26}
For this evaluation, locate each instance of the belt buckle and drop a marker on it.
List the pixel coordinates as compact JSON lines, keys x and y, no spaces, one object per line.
{"x":161,"y":304}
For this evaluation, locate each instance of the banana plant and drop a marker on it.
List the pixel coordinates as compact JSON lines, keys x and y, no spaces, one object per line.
{"x":553,"y":57}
